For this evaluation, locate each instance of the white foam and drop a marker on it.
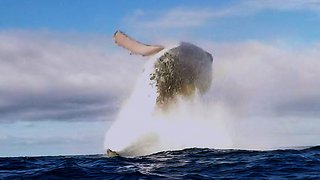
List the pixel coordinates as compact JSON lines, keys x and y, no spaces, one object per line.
{"x":251,"y":105}
{"x":143,"y":129}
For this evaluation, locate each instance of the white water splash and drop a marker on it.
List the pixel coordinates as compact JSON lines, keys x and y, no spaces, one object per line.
{"x":141,"y":128}
{"x":253,"y":104}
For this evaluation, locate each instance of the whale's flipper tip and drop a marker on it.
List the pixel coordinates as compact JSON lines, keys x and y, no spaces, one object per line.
{"x":135,"y":47}
{"x":111,"y":153}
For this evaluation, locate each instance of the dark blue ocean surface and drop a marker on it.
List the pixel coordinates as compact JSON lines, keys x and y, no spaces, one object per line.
{"x":185,"y":164}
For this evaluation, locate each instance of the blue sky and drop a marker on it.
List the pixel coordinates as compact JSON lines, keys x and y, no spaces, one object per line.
{"x":60,"y":67}
{"x":82,"y":15}
{"x":218,"y":20}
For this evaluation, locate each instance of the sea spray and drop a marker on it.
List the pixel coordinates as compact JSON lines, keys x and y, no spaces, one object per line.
{"x":164,"y":111}
{"x":188,"y":124}
{"x":262,"y":98}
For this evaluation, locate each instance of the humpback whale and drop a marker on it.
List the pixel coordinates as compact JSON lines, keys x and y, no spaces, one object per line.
{"x":182,"y":70}
{"x":176,"y":72}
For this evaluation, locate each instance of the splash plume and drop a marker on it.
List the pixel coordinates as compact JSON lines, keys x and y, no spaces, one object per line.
{"x":262,"y":97}
{"x":172,"y":77}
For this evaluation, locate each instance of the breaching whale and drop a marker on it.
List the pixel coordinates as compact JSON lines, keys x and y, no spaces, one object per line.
{"x":179,"y":71}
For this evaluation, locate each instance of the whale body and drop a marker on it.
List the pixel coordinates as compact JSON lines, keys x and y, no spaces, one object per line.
{"x":182,"y":71}
{"x":179,"y":71}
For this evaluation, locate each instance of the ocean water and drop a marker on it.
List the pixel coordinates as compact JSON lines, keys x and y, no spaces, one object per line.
{"x":195,"y":163}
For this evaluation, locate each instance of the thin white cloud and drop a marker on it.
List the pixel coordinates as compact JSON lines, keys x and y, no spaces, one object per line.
{"x":186,"y":17}
{"x":285,"y":5}
{"x":176,"y":18}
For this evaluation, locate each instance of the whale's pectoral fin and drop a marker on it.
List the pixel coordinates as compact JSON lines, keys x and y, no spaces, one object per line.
{"x":134,"y":46}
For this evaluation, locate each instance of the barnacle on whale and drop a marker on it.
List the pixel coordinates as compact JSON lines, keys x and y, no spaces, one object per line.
{"x":172,"y":78}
